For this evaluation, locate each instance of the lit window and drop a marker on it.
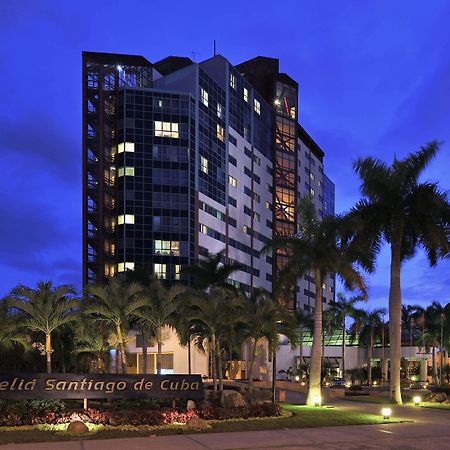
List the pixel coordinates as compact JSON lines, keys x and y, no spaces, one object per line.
{"x":246,"y":94}
{"x":232,"y":81}
{"x":166,"y":129}
{"x":203,"y":164}
{"x":324,"y":286}
{"x":125,"y":218}
{"x":245,"y":229}
{"x":177,"y":271}
{"x":125,"y":147}
{"x":232,"y":181}
{"x":256,"y":217}
{"x":128,"y":171}
{"x":312,"y":191}
{"x":311,"y":175}
{"x":204,"y":97}
{"x":220,"y":132}
{"x":219,"y":110}
{"x":203,"y":229}
{"x":123,"y":266}
{"x":167,"y":247}
{"x":268,"y":205}
{"x":160,"y":270}
{"x":257,"y":106}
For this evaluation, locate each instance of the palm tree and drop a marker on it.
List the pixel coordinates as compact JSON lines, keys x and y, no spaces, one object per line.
{"x":212,"y":271}
{"x":94,"y":345}
{"x":372,"y":323}
{"x":406,"y":214}
{"x":317,"y":247}
{"x":162,"y":308}
{"x":45,"y":309}
{"x":303,"y":321}
{"x":341,"y":309}
{"x":11,"y":333}
{"x":114,"y":304}
{"x":210,"y":313}
{"x":261,"y":317}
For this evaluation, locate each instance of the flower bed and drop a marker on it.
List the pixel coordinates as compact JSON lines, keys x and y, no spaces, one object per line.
{"x":55,"y":412}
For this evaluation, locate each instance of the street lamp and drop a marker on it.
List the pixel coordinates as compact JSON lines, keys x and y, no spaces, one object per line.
{"x":417,"y":399}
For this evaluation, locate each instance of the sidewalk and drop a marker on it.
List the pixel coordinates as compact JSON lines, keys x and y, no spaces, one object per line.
{"x":430,"y":430}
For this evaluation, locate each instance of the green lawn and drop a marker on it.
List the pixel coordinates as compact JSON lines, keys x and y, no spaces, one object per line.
{"x":379,"y":399}
{"x":435,"y":405}
{"x":294,"y":416}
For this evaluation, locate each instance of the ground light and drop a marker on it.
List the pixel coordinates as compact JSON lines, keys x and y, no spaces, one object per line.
{"x":417,"y":399}
{"x":386,"y":413}
{"x":317,"y":400}
{"x":297,"y":378}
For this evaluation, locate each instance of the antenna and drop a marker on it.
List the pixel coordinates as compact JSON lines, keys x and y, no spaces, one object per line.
{"x":214,"y":47}
{"x":193,"y":55}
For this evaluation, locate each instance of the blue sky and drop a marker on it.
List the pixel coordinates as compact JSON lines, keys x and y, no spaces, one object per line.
{"x":374,"y":79}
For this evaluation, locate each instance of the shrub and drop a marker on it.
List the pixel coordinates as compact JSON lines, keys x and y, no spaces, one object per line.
{"x":444,"y":389}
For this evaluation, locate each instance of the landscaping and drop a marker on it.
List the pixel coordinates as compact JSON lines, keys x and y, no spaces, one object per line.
{"x":286,"y":416}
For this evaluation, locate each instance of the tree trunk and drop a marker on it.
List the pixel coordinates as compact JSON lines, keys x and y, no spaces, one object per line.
{"x":122,"y":349}
{"x":395,"y":314}
{"x":252,"y":361}
{"x":158,"y":360}
{"x":144,"y":352}
{"x":383,"y":375}
{"x":369,"y":362}
{"x":189,"y":357}
{"x":213,"y":361}
{"x":301,"y":352}
{"x":344,"y":332}
{"x":434,"y":366}
{"x":219,"y":367}
{"x":314,"y":390}
{"x":48,"y":352}
{"x":274,"y":374}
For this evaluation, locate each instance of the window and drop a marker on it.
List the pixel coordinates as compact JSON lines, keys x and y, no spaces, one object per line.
{"x":312,"y":191}
{"x":232,"y":139}
{"x":123,"y":266}
{"x":125,"y":147}
{"x":127,"y":171}
{"x":256,"y":217}
{"x":232,"y":81}
{"x":160,"y":270}
{"x":268,"y":205}
{"x":232,"y":201}
{"x":166,"y":129}
{"x":257,"y":106}
{"x":232,"y":181}
{"x":219,"y":111}
{"x":203,"y":164}
{"x":167,"y":247}
{"x":232,"y":160}
{"x":245,"y":94}
{"x":177,"y":271}
{"x":125,"y":219}
{"x":204,"y":97}
{"x":203,"y":229}
{"x":220,"y":132}
{"x":311,"y":175}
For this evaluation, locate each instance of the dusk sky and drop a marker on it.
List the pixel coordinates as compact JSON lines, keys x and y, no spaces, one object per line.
{"x":374,"y":80}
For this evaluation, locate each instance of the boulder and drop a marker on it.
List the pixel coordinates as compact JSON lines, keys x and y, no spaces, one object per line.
{"x":77,"y":427}
{"x":197,"y":424}
{"x":436,"y":397}
{"x":233,"y":399}
{"x":190,"y":405}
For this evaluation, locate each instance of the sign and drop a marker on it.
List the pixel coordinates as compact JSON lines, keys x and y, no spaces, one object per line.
{"x":79,"y":386}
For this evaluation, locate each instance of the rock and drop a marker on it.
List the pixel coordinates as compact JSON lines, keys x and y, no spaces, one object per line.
{"x":77,"y":427}
{"x":190,"y":405}
{"x":436,"y":397}
{"x":197,"y":424}
{"x":233,"y":399}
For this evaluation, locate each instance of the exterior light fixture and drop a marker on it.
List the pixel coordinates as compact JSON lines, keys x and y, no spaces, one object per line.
{"x":374,"y":383}
{"x":386,"y":413}
{"x":417,"y":399}
{"x":303,"y":383}
{"x":317,"y":400}
{"x":277,"y":102}
{"x":119,"y":67}
{"x":348,"y":384}
{"x":297,"y":378}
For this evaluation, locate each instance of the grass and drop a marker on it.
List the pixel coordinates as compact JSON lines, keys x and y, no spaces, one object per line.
{"x":435,"y":405}
{"x":294,"y":416}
